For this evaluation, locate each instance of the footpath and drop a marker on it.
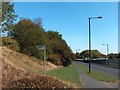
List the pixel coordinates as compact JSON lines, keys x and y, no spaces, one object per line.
{"x":88,"y":82}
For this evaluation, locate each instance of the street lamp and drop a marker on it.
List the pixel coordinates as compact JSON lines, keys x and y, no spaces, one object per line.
{"x":107,"y":48}
{"x":44,"y":48}
{"x":90,"y":41}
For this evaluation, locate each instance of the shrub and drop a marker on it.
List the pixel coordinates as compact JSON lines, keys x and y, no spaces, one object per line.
{"x":67,"y":61}
{"x":11,"y":43}
{"x":55,"y":59}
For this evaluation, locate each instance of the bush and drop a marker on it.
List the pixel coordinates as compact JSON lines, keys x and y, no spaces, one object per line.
{"x":55,"y":59}
{"x":11,"y":43}
{"x":67,"y":61}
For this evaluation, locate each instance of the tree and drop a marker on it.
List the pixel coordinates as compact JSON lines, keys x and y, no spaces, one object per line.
{"x":8,"y":17}
{"x":60,"y":48}
{"x":94,"y":54}
{"x":111,"y":56}
{"x":10,"y":43}
{"x":29,"y":37}
{"x":119,"y":55}
{"x":78,"y":55}
{"x":114,"y":56}
{"x":84,"y":54}
{"x":38,"y":22}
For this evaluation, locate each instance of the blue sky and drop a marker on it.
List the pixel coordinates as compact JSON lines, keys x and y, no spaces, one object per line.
{"x":71,"y":20}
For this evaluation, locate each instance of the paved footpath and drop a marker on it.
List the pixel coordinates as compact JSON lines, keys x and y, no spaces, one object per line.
{"x":88,"y":82}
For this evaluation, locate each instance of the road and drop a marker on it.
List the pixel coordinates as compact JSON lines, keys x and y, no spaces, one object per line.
{"x":89,"y":82}
{"x":108,"y":70}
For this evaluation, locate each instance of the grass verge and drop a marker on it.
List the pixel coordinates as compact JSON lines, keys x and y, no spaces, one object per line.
{"x":68,"y":74}
{"x":97,"y":74}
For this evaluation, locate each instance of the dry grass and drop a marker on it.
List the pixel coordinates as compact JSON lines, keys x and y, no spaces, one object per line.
{"x":24,"y":62}
{"x":36,"y":81}
{"x":10,"y":73}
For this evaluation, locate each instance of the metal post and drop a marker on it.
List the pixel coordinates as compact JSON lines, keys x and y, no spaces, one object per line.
{"x":90,"y":58}
{"x":44,"y":60}
{"x":107,"y":49}
{"x":89,"y":48}
{"x":107,"y":53}
{"x":43,"y":48}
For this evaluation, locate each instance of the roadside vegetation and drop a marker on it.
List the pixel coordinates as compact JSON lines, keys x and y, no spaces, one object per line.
{"x":24,"y":62}
{"x":68,"y":74}
{"x":39,"y":82}
{"x":22,"y":71}
{"x":94,"y":54}
{"x":26,"y":36}
{"x":97,"y":74}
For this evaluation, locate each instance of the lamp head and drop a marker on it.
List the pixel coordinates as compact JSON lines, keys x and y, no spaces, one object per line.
{"x":99,"y":17}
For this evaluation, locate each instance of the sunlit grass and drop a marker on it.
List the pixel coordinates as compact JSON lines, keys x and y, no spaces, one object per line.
{"x":66,"y":74}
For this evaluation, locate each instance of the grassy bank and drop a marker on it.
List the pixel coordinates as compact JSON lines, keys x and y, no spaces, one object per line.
{"x":97,"y":74}
{"x":17,"y":65}
{"x":24,"y":62}
{"x":66,"y":74}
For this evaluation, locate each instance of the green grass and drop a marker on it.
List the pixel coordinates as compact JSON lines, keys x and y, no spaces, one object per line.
{"x":97,"y":74}
{"x":68,"y":74}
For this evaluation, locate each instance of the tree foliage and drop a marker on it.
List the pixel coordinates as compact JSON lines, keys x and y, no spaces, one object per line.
{"x":60,"y":47}
{"x":94,"y":54}
{"x":8,"y":17}
{"x":114,"y":56}
{"x":30,"y":35}
{"x":11,"y":43}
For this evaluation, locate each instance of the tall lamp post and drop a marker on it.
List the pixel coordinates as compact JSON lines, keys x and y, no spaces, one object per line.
{"x":107,"y":48}
{"x":90,"y":41}
{"x":44,"y":48}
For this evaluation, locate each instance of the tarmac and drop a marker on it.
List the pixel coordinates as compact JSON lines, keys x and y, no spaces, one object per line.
{"x":88,"y":82}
